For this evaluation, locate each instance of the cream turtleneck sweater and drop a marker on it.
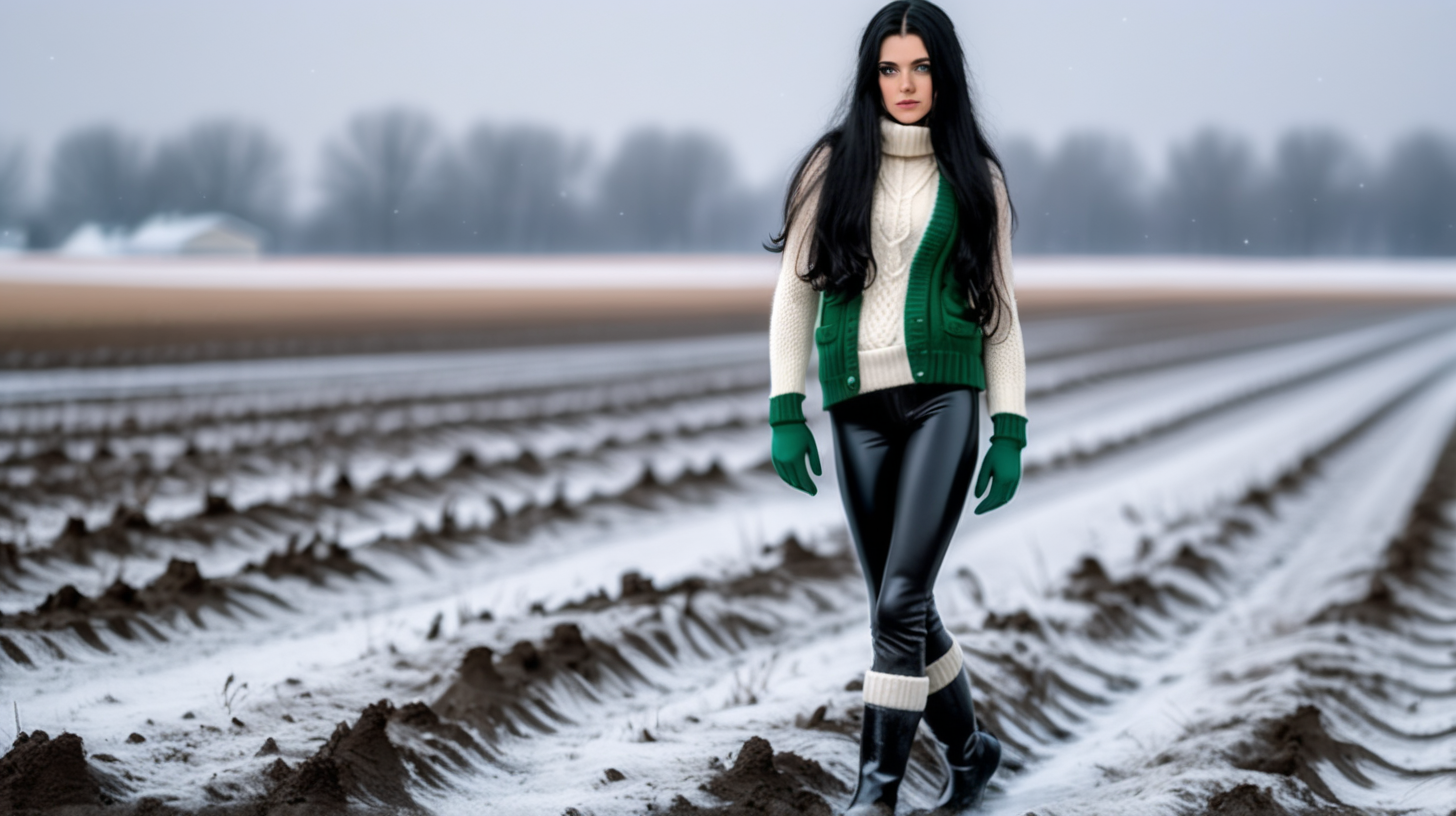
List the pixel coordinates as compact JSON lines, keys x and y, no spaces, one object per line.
{"x":904,"y":197}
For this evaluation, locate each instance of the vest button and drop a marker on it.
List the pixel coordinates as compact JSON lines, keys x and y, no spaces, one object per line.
{"x":850,"y":381}
{"x":919,"y":320}
{"x":920,"y":373}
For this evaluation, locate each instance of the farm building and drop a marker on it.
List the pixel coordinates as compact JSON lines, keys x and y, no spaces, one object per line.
{"x":202,"y":234}
{"x":170,"y":234}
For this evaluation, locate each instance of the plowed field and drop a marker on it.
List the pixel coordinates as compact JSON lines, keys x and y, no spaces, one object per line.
{"x":566,"y":580}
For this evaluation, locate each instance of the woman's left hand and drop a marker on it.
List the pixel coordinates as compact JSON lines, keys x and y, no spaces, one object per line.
{"x":1002,"y":466}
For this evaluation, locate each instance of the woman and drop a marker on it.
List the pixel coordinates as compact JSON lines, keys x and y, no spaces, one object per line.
{"x":897,"y":244}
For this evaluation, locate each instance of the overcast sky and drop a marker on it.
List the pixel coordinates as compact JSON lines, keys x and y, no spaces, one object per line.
{"x":763,"y":74}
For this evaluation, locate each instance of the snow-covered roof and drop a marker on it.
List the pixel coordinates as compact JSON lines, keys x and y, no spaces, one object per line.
{"x":171,"y":233}
{"x":91,"y":239}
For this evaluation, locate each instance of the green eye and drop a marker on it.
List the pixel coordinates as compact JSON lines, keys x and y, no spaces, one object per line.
{"x":886,"y":70}
{"x":923,"y":68}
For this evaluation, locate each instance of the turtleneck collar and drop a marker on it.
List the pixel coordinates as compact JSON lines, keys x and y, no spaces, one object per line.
{"x":904,"y":140}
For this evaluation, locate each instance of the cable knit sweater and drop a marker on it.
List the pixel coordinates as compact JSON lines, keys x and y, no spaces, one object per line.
{"x":904,"y":197}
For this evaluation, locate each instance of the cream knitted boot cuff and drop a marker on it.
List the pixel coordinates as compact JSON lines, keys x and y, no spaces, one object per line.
{"x":945,"y":668}
{"x":895,"y":690}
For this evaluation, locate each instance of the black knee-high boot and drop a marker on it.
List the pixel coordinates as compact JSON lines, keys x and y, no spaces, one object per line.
{"x":893,"y":707}
{"x":971,"y":755}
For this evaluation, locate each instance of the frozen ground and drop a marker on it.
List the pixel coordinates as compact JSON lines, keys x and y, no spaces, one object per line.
{"x":1317,"y":276}
{"x":566,"y":580}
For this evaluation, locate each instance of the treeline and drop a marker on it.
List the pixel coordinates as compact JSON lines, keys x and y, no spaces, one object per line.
{"x":1317,"y":194}
{"x":392,"y":181}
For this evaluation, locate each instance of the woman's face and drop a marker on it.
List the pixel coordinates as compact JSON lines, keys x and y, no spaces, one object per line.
{"x":905,"y":78}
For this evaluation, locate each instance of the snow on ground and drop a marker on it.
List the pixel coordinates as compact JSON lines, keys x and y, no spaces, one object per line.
{"x":1034,"y":273}
{"x":1232,"y":530}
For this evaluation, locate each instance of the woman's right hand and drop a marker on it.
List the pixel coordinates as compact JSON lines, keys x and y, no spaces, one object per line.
{"x":791,"y":440}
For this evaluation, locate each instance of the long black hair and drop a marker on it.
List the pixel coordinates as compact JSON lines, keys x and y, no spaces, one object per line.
{"x":840,"y":259}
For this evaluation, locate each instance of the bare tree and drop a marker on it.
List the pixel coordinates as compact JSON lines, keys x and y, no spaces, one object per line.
{"x":1205,"y":203}
{"x":98,"y":173}
{"x":1312,"y":192}
{"x":1418,"y":196}
{"x":664,"y":192}
{"x":517,"y":188}
{"x":222,"y":165}
{"x":1090,"y":194}
{"x":12,"y":184}
{"x":374,"y":179}
{"x":1023,"y":166}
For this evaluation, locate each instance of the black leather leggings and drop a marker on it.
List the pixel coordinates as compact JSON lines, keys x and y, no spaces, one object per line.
{"x":905,"y":460}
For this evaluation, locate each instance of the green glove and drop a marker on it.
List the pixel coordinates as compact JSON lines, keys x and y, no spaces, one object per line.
{"x":791,"y":440}
{"x":1003,"y":462}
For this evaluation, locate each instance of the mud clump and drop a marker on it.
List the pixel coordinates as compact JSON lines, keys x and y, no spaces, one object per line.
{"x":1378,"y":607}
{"x":1090,"y":583}
{"x":1292,"y":744}
{"x":635,"y":584}
{"x":764,"y":783}
{"x":181,"y":579}
{"x":1252,"y":800}
{"x":1244,"y":800}
{"x":644,"y":493}
{"x":796,"y":562}
{"x":487,"y":688}
{"x":515,"y":527}
{"x":214,"y":505}
{"x":636,"y":589}
{"x":802,"y":562}
{"x":447,"y":738}
{"x":312,"y":562}
{"x":494,"y":690}
{"x":819,"y":720}
{"x":1019,"y":621}
{"x":359,"y":763}
{"x":77,"y":543}
{"x":1117,"y":602}
{"x":1195,"y":562}
{"x":40,"y":773}
{"x":181,"y":587}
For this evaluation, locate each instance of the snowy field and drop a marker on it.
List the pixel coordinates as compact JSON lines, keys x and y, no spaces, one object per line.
{"x":566,"y":580}
{"x":1034,"y":274}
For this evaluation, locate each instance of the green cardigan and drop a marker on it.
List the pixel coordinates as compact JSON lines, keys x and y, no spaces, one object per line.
{"x":942,"y":339}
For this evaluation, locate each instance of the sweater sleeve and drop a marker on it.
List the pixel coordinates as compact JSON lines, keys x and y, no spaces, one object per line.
{"x":1002,"y":354}
{"x":795,"y":303}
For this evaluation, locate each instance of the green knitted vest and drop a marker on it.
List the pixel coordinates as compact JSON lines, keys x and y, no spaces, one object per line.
{"x":942,"y":340}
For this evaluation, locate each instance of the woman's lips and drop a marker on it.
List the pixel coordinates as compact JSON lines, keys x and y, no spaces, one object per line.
{"x":909,"y":103}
